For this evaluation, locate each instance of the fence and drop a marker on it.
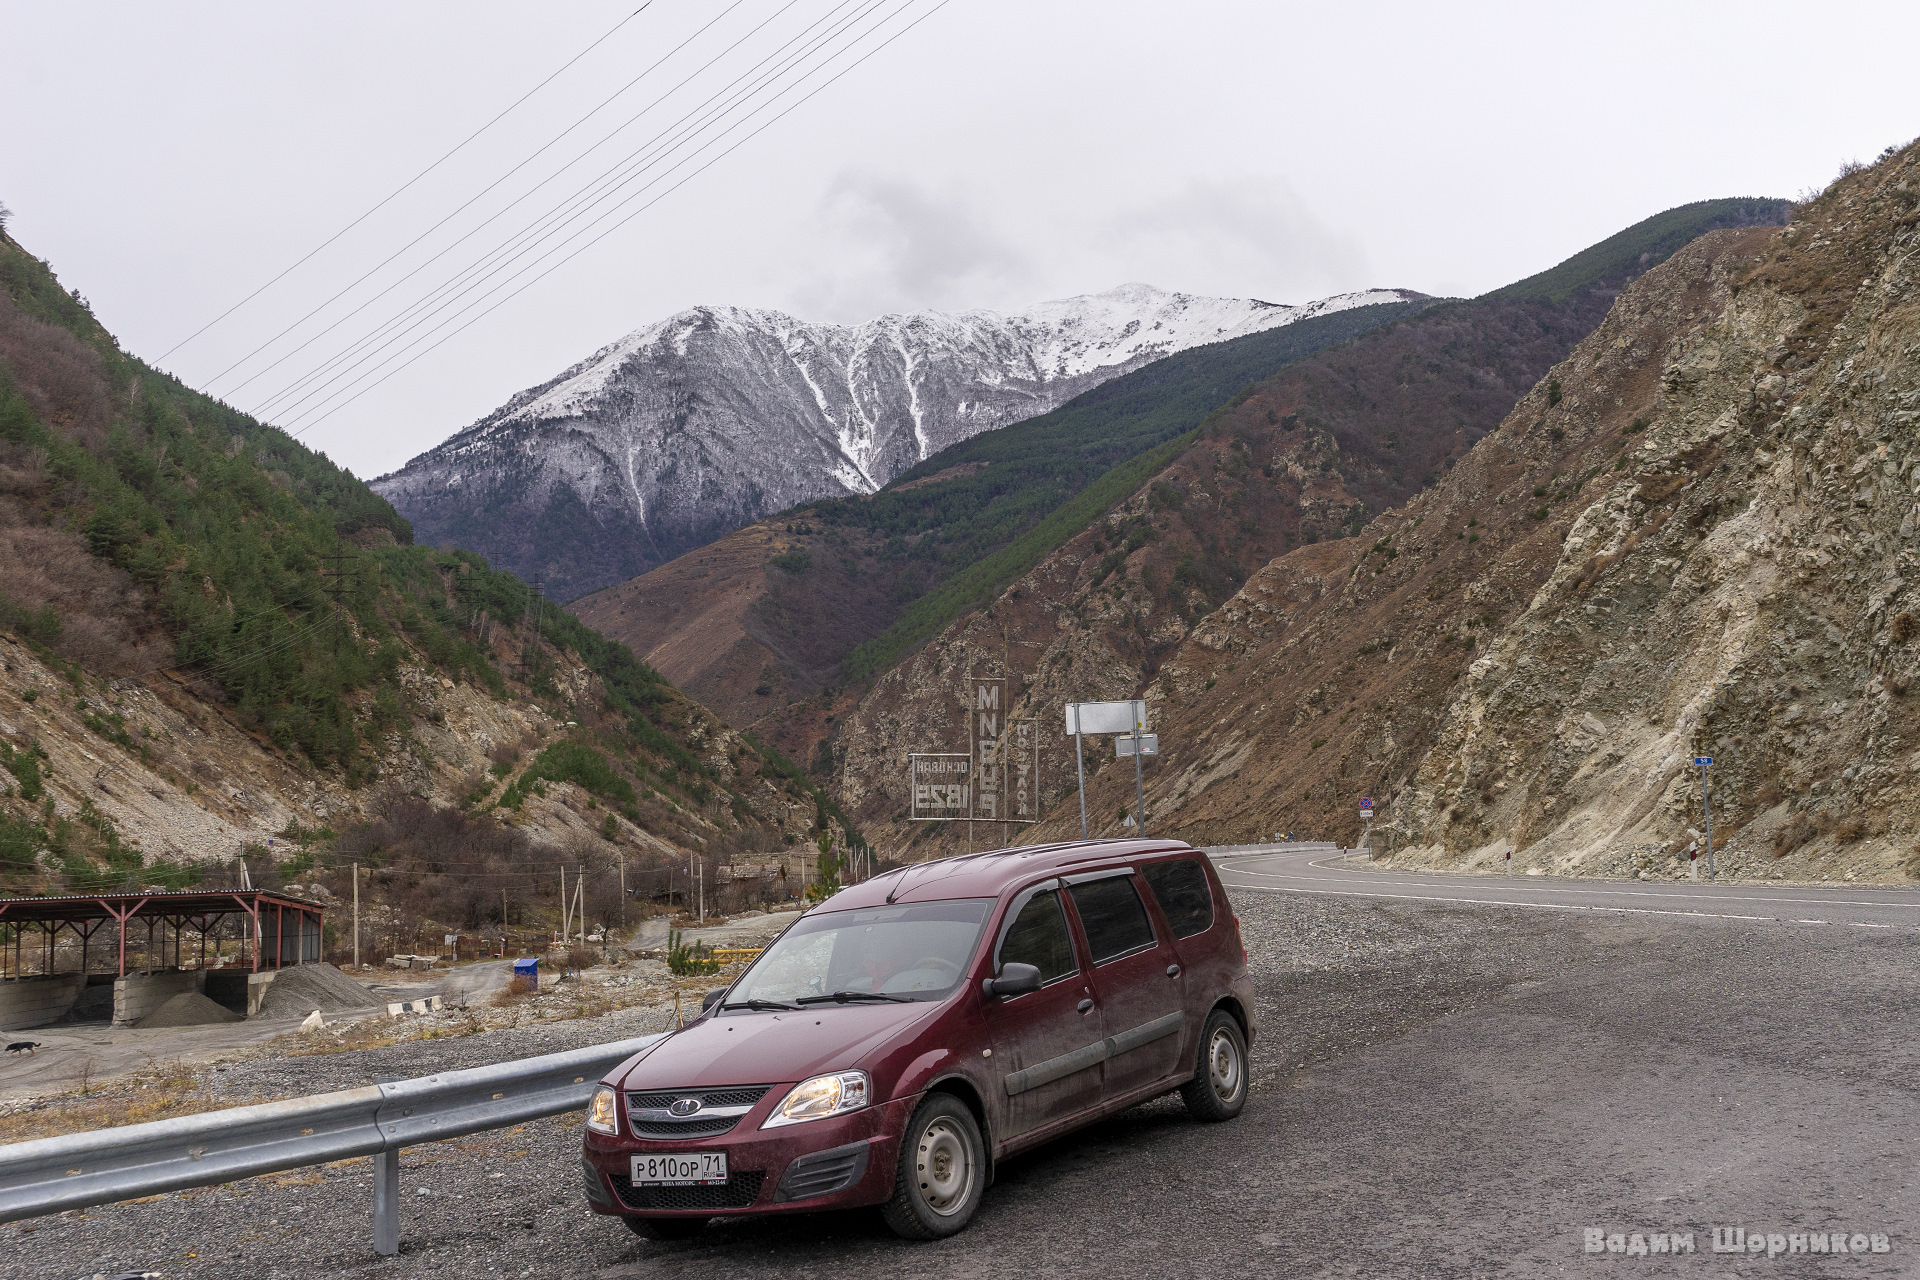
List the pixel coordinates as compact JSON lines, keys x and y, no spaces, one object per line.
{"x":50,"y":1175}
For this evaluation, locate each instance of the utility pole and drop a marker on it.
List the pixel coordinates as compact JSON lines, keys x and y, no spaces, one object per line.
{"x":1080,"y":764}
{"x":700,"y":879}
{"x":1704,"y":763}
{"x":337,"y":587}
{"x":1139,"y":784}
{"x":356,"y":915}
{"x":565,"y":913}
{"x":623,"y":889}
{"x":534,"y":588}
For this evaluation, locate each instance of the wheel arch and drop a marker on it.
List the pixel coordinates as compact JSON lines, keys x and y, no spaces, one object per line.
{"x":968,"y":1094}
{"x":1231,"y":1006}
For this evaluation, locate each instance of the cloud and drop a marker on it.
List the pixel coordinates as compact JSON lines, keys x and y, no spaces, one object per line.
{"x":891,"y":245}
{"x":1238,"y":237}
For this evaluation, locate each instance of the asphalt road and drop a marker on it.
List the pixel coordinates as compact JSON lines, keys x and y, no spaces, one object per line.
{"x":1319,"y":872}
{"x":1441,"y":1089}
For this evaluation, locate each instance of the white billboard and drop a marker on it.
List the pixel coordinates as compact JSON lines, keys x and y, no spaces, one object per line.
{"x":941,"y":792}
{"x":1106,"y":717}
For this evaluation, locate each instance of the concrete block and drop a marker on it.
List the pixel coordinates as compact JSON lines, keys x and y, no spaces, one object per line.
{"x":139,"y":994}
{"x":238,"y":990}
{"x":38,"y":1002}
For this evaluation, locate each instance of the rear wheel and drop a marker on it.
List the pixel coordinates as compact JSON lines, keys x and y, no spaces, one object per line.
{"x":942,"y":1171}
{"x":1219,"y":1086}
{"x":666,"y":1228}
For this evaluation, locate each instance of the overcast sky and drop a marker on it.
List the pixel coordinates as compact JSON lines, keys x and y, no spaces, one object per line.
{"x":170,"y":159}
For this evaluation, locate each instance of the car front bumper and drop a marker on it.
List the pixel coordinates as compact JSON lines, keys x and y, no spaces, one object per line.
{"x":837,"y":1163}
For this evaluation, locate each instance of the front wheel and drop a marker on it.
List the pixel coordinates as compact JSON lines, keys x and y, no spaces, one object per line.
{"x":666,"y":1228}
{"x":1219,"y":1086}
{"x":942,"y":1171}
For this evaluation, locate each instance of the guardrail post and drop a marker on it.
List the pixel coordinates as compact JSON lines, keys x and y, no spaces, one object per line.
{"x":386,"y":1202}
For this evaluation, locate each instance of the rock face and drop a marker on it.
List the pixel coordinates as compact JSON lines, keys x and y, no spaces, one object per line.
{"x":1695,"y":536}
{"x":1297,"y":466}
{"x":693,"y":426}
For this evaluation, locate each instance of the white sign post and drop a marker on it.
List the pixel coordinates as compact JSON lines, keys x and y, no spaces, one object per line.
{"x":1109,"y":717}
{"x":1149,"y":746}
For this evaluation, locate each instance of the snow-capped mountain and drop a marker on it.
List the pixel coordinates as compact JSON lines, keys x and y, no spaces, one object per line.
{"x":709,"y":419}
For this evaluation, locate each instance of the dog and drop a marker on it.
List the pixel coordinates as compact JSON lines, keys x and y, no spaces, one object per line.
{"x":23,"y":1046}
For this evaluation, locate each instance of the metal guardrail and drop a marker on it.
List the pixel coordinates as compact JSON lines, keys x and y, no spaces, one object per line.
{"x":1289,"y":846}
{"x":74,"y":1171}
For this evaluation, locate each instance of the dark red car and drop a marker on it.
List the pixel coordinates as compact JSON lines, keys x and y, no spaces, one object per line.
{"x":901,"y":1037}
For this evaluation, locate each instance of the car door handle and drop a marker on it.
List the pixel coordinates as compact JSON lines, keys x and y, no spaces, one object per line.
{"x":1173,"y":971}
{"x":1085,"y":1005}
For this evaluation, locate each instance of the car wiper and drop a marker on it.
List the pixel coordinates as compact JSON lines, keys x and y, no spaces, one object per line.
{"x":759,"y":1004}
{"x":841,"y":997}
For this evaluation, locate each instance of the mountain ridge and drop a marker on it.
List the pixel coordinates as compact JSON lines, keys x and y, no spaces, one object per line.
{"x":708,"y":419}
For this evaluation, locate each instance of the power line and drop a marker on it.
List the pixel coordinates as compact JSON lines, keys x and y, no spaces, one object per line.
{"x":405,"y":185}
{"x":536,"y":231}
{"x":530,"y":158}
{"x":662,"y":145}
{"x":328,"y":412}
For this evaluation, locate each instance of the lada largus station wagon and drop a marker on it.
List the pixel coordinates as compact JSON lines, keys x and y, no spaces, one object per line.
{"x":904,"y":1035}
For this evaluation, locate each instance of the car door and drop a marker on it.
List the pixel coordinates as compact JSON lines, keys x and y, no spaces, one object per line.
{"x":1137,"y":979}
{"x":1048,"y":1045}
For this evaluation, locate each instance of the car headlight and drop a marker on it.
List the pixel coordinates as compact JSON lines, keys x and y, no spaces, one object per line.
{"x":601,"y":1111}
{"x":820,"y":1097}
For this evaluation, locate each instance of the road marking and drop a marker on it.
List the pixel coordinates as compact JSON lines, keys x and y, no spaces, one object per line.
{"x":1545,"y":906}
{"x":1606,"y":886}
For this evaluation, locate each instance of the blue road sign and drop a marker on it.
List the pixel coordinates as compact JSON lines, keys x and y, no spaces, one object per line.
{"x":1366,"y":804}
{"x":1703,"y":761}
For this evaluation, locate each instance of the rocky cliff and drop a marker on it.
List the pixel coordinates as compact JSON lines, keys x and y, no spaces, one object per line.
{"x":1260,"y":668}
{"x":1693,"y":537}
{"x":705,"y":421}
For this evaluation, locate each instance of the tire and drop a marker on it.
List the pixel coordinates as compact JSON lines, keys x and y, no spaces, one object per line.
{"x":942,"y":1171}
{"x":666,"y":1228}
{"x":1218,"y":1089}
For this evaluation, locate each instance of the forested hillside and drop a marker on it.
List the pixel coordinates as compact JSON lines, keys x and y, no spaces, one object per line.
{"x":218,"y":635}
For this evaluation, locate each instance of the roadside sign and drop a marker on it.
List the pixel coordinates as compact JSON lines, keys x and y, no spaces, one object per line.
{"x":1023,"y":770}
{"x":452,"y":938}
{"x":1149,"y":745}
{"x":1106,"y":717}
{"x":1365,"y":804}
{"x":986,"y":715}
{"x":1703,"y":761}
{"x":941,"y":791}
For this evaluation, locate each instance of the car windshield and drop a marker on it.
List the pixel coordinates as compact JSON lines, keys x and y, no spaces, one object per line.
{"x":912,"y":951}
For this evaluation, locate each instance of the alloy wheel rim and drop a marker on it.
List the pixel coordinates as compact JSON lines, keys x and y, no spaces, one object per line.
{"x":943,"y":1165}
{"x":1223,"y":1058}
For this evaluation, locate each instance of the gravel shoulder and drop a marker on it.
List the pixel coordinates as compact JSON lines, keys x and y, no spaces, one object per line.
{"x":1438,"y":1091}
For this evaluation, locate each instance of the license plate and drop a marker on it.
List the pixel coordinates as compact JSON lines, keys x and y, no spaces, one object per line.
{"x":683,"y":1169}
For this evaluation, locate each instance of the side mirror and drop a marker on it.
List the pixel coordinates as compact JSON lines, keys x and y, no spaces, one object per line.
{"x":1015,"y":979}
{"x":712,"y":999}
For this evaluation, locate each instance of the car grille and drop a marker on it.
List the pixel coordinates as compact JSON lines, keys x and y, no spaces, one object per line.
{"x":741,"y":1190}
{"x":720,"y":1110}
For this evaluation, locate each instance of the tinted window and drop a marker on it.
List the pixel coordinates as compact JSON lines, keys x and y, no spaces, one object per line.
{"x":1113,"y":916}
{"x":1181,"y":888}
{"x":1038,"y":936}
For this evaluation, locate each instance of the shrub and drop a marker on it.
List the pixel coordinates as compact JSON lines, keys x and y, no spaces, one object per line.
{"x":687,"y":959}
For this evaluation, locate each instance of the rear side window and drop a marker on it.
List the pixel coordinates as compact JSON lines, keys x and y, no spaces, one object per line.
{"x":1114,"y":918}
{"x":1181,"y":889}
{"x":1038,"y":936}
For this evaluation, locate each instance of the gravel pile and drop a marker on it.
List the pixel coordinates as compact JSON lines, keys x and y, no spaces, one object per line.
{"x":188,"y":1009}
{"x":298,"y":991}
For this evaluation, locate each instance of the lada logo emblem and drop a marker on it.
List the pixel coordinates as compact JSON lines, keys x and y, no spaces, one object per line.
{"x":683,"y":1107}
